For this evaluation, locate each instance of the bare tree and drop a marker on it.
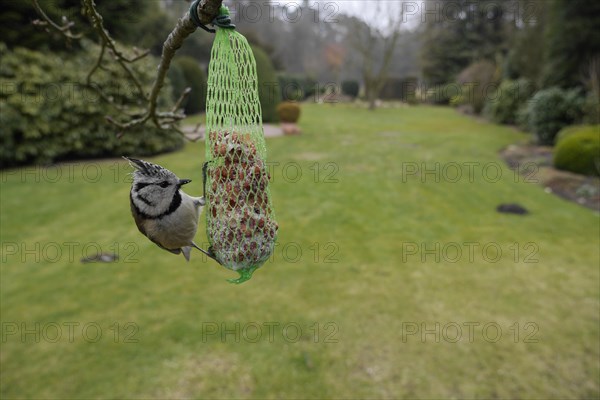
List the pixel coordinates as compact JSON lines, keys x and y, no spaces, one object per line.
{"x":207,"y":11}
{"x":592,"y":82}
{"x":375,"y":42}
{"x":335,"y":55}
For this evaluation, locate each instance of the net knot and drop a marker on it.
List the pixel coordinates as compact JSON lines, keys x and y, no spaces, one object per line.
{"x":223,"y":20}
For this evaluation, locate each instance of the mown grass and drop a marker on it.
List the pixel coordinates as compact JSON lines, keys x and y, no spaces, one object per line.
{"x":195,"y":119}
{"x":365,"y":212}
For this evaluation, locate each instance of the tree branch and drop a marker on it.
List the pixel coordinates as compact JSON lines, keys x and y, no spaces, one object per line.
{"x":65,"y":29}
{"x":208,"y":10}
{"x":369,"y":41}
{"x":98,"y":24}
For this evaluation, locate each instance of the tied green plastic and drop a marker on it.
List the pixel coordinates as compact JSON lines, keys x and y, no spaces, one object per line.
{"x":222,"y":20}
{"x":240,"y":222}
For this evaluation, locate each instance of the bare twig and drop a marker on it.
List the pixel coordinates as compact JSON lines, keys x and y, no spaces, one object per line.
{"x":366,"y":39}
{"x":65,"y":29}
{"x":183,"y":96}
{"x":207,"y":12}
{"x":98,"y":24}
{"x":96,"y":88}
{"x":97,"y":65}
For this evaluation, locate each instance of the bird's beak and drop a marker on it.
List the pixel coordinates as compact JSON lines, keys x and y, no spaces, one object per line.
{"x":184,"y":182}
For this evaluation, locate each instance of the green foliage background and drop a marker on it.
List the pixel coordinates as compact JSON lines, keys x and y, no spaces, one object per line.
{"x":511,"y":96}
{"x":552,"y":109}
{"x":578,"y":150}
{"x":124,"y":19}
{"x":572,"y":38}
{"x":351,"y":88}
{"x":459,"y":33}
{"x":296,"y":87}
{"x":268,"y":85}
{"x":194,"y":78}
{"x":49,"y":114}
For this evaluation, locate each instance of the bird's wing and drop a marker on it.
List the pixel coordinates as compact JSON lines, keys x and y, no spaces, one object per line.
{"x":174,"y":251}
{"x":138,"y":222}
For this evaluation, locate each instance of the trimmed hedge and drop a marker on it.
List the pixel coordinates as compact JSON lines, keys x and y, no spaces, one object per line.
{"x":195,"y":78}
{"x":288,"y":112}
{"x":351,"y":88}
{"x":268,"y":92}
{"x":578,"y":150}
{"x":552,"y":109}
{"x":48,"y":114}
{"x":296,"y":87}
{"x":570,"y":130}
{"x":178,"y":83}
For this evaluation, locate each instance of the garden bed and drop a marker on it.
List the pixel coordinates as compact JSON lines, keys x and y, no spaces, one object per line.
{"x":535,"y":164}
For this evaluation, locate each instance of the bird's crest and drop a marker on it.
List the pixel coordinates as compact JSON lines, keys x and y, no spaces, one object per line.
{"x":149,"y":169}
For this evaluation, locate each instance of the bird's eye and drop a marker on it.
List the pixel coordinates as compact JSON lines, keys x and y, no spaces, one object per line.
{"x":163,"y":184}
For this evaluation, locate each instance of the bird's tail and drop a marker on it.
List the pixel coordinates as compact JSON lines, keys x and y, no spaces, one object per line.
{"x":186,"y":250}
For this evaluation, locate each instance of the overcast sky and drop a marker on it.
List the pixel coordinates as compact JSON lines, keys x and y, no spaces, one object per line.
{"x":368,"y":10}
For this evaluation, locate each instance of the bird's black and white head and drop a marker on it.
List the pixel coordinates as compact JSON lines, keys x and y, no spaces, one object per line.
{"x":155,"y":190}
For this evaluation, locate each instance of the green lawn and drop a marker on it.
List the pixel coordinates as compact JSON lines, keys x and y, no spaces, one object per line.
{"x":195,"y":119}
{"x":368,"y":276}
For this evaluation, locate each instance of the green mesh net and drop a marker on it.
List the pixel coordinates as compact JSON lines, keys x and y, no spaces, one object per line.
{"x":240,"y":222}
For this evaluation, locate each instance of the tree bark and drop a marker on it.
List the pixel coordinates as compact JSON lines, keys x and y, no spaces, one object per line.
{"x":207,"y":11}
